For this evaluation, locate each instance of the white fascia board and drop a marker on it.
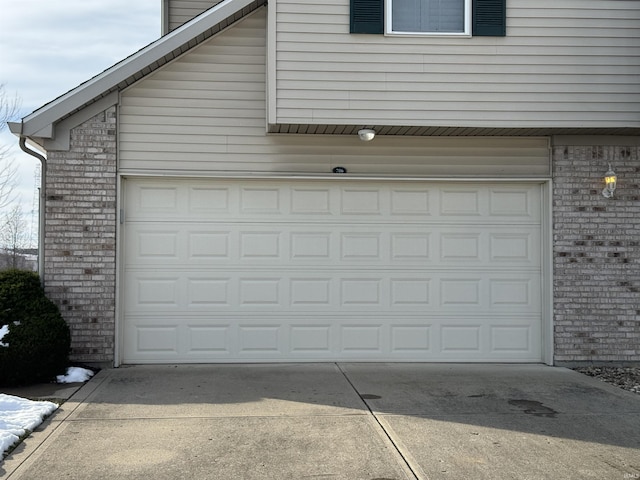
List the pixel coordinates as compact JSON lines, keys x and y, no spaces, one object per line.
{"x":45,"y":116}
{"x":62,"y":130}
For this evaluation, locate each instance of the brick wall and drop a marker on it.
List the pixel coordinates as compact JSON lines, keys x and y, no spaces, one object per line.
{"x":596,"y":255}
{"x":80,"y":236}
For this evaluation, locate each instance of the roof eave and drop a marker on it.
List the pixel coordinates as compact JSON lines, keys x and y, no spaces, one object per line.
{"x":129,"y":70}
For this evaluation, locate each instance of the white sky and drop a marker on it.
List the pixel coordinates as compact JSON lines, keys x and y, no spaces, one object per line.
{"x":49,"y":47}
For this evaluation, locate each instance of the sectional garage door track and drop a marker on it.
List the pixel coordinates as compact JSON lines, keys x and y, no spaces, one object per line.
{"x":312,"y":270}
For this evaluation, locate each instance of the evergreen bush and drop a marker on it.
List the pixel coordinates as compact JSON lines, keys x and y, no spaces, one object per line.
{"x":37,"y":345}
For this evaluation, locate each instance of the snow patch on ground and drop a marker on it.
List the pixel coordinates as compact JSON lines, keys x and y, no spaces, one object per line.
{"x":18,"y":416}
{"x":4,"y":329}
{"x":74,"y":375}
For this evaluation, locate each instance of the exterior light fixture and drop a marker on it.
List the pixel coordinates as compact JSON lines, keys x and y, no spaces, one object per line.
{"x":366,"y":134}
{"x":610,"y":180}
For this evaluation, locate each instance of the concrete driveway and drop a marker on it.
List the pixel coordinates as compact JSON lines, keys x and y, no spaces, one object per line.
{"x":337,"y":421}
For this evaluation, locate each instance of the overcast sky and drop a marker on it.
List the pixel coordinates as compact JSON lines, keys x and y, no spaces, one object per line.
{"x":49,"y":47}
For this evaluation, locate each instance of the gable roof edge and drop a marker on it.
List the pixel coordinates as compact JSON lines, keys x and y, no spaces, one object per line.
{"x":136,"y":65}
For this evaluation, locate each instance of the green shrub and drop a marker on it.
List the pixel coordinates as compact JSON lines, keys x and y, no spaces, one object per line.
{"x":38,"y":342}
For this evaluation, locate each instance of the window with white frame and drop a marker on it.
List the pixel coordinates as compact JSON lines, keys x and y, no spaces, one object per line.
{"x":483,"y":18}
{"x":428,"y":17}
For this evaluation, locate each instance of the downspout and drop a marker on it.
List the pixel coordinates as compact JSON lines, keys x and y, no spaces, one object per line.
{"x":164,"y":17}
{"x":43,"y":175}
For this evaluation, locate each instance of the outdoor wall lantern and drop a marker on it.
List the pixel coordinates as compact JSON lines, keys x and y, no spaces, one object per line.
{"x":366,"y":134}
{"x":610,"y":180}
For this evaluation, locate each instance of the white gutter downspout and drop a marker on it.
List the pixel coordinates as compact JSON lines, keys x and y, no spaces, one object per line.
{"x":43,"y":175}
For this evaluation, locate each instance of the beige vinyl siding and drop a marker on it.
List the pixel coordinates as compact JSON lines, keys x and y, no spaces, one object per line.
{"x":563,"y":63}
{"x":181,"y":11}
{"x":205,"y":113}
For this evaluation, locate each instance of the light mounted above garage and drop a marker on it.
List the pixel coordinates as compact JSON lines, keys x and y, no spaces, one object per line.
{"x":366,"y":134}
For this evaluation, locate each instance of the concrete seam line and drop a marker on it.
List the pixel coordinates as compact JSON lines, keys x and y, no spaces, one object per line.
{"x":405,"y":461}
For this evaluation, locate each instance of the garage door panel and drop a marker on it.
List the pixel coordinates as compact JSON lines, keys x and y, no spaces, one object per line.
{"x":260,"y":292}
{"x":262,"y":200}
{"x":411,"y":292}
{"x":361,"y":339}
{"x":461,"y":201}
{"x":411,"y":340}
{"x":155,"y":245}
{"x":311,"y":339}
{"x":190,"y":199}
{"x":411,"y":202}
{"x":207,"y":246}
{"x":260,"y":340}
{"x":361,"y":201}
{"x":286,"y":291}
{"x":157,"y":199}
{"x":310,"y":246}
{"x":410,"y":246}
{"x":500,"y":203}
{"x":154,"y":340}
{"x":208,"y":340}
{"x":514,"y":293}
{"x":311,"y":200}
{"x":206,"y":200}
{"x":515,"y":249}
{"x":260,"y":245}
{"x":356,"y":247}
{"x":492,"y":246}
{"x":361,"y":292}
{"x":512,"y":339}
{"x":148,"y":292}
{"x":515,"y":203}
{"x":208,"y":292}
{"x":231,"y":270}
{"x":461,"y":293}
{"x":311,"y":292}
{"x":177,"y":339}
{"x":272,"y":338}
{"x":461,"y":339}
{"x":460,"y":247}
{"x":496,"y":247}
{"x":489,"y":292}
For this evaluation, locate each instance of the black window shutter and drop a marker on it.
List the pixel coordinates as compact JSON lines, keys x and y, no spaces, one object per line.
{"x":367,"y":16}
{"x":489,"y":18}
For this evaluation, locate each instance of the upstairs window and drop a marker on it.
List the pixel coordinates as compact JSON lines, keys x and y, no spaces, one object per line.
{"x":428,"y":17}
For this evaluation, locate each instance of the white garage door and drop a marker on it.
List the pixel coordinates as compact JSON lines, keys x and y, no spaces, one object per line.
{"x":261,"y":270}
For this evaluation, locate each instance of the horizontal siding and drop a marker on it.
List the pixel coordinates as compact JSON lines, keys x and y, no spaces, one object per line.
{"x":205,"y":113}
{"x":181,"y":11}
{"x":563,"y":63}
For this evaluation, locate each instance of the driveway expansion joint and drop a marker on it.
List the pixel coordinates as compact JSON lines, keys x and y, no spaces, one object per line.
{"x":382,"y":430}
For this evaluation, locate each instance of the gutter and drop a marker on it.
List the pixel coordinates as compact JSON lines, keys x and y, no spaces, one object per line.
{"x":16,"y":129}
